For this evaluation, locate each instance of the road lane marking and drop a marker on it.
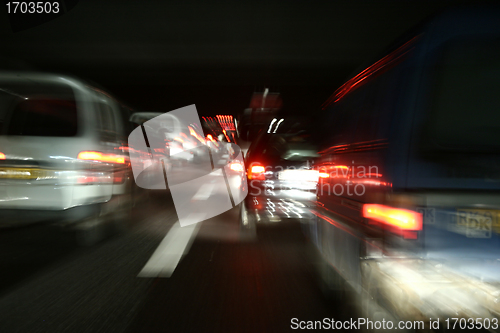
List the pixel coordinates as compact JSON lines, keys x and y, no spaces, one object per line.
{"x":204,"y":192}
{"x":170,"y":251}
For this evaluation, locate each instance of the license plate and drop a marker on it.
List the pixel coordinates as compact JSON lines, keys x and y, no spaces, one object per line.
{"x":20,"y":173}
{"x":428,"y":215}
{"x":477,"y":223}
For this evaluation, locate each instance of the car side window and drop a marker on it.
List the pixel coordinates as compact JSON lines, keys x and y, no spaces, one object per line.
{"x":345,"y":116}
{"x":370,"y":115}
{"x":127,"y":126}
{"x":106,"y":122}
{"x":367,"y":110}
{"x":250,"y":150}
{"x":256,"y":148}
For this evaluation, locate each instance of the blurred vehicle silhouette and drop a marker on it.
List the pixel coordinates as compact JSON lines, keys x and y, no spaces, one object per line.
{"x":263,"y":107}
{"x":281,"y":181}
{"x":409,"y":194}
{"x":172,"y":141}
{"x":63,"y":153}
{"x":217,"y":138}
{"x":200,"y":189}
{"x":172,"y":150}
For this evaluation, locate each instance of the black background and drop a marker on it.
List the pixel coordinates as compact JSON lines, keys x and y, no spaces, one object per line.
{"x":161,"y":55}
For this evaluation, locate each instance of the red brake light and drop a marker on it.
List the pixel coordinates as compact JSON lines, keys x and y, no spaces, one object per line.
{"x":258,"y":169}
{"x":196,"y":135}
{"x":90,"y":155}
{"x":2,"y":156}
{"x":403,"y":219}
{"x":257,"y":172}
{"x":324,"y":175}
{"x":118,"y":159}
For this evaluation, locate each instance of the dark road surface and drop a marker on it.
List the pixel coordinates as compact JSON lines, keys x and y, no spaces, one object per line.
{"x":227,"y":282}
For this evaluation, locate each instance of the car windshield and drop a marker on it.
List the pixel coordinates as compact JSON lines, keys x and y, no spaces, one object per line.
{"x":274,"y":147}
{"x":37,"y":110}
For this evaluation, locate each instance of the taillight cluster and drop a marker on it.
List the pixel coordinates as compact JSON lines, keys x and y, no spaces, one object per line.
{"x":257,"y":172}
{"x":236,"y":166}
{"x":101,"y":157}
{"x":96,"y":177}
{"x":404,"y":220}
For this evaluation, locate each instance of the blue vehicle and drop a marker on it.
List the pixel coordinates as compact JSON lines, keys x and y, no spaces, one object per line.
{"x":408,"y":202}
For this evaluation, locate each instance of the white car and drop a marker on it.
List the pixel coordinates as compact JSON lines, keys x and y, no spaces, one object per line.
{"x":63,"y":153}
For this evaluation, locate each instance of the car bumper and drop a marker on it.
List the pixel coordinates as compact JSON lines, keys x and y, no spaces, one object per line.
{"x":418,"y":289}
{"x":285,"y":204}
{"x":20,"y":217}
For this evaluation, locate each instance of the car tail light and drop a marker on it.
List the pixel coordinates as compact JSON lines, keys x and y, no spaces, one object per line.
{"x":403,"y":219}
{"x":94,"y":178}
{"x":257,"y":172}
{"x":236,"y":166}
{"x":119,"y":177}
{"x":101,"y":177}
{"x":100,"y":157}
{"x":196,"y":135}
{"x":324,"y":175}
{"x":2,"y":156}
{"x":211,"y":138}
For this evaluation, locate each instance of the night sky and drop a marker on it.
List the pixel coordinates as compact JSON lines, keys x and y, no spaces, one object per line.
{"x":159,"y":56}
